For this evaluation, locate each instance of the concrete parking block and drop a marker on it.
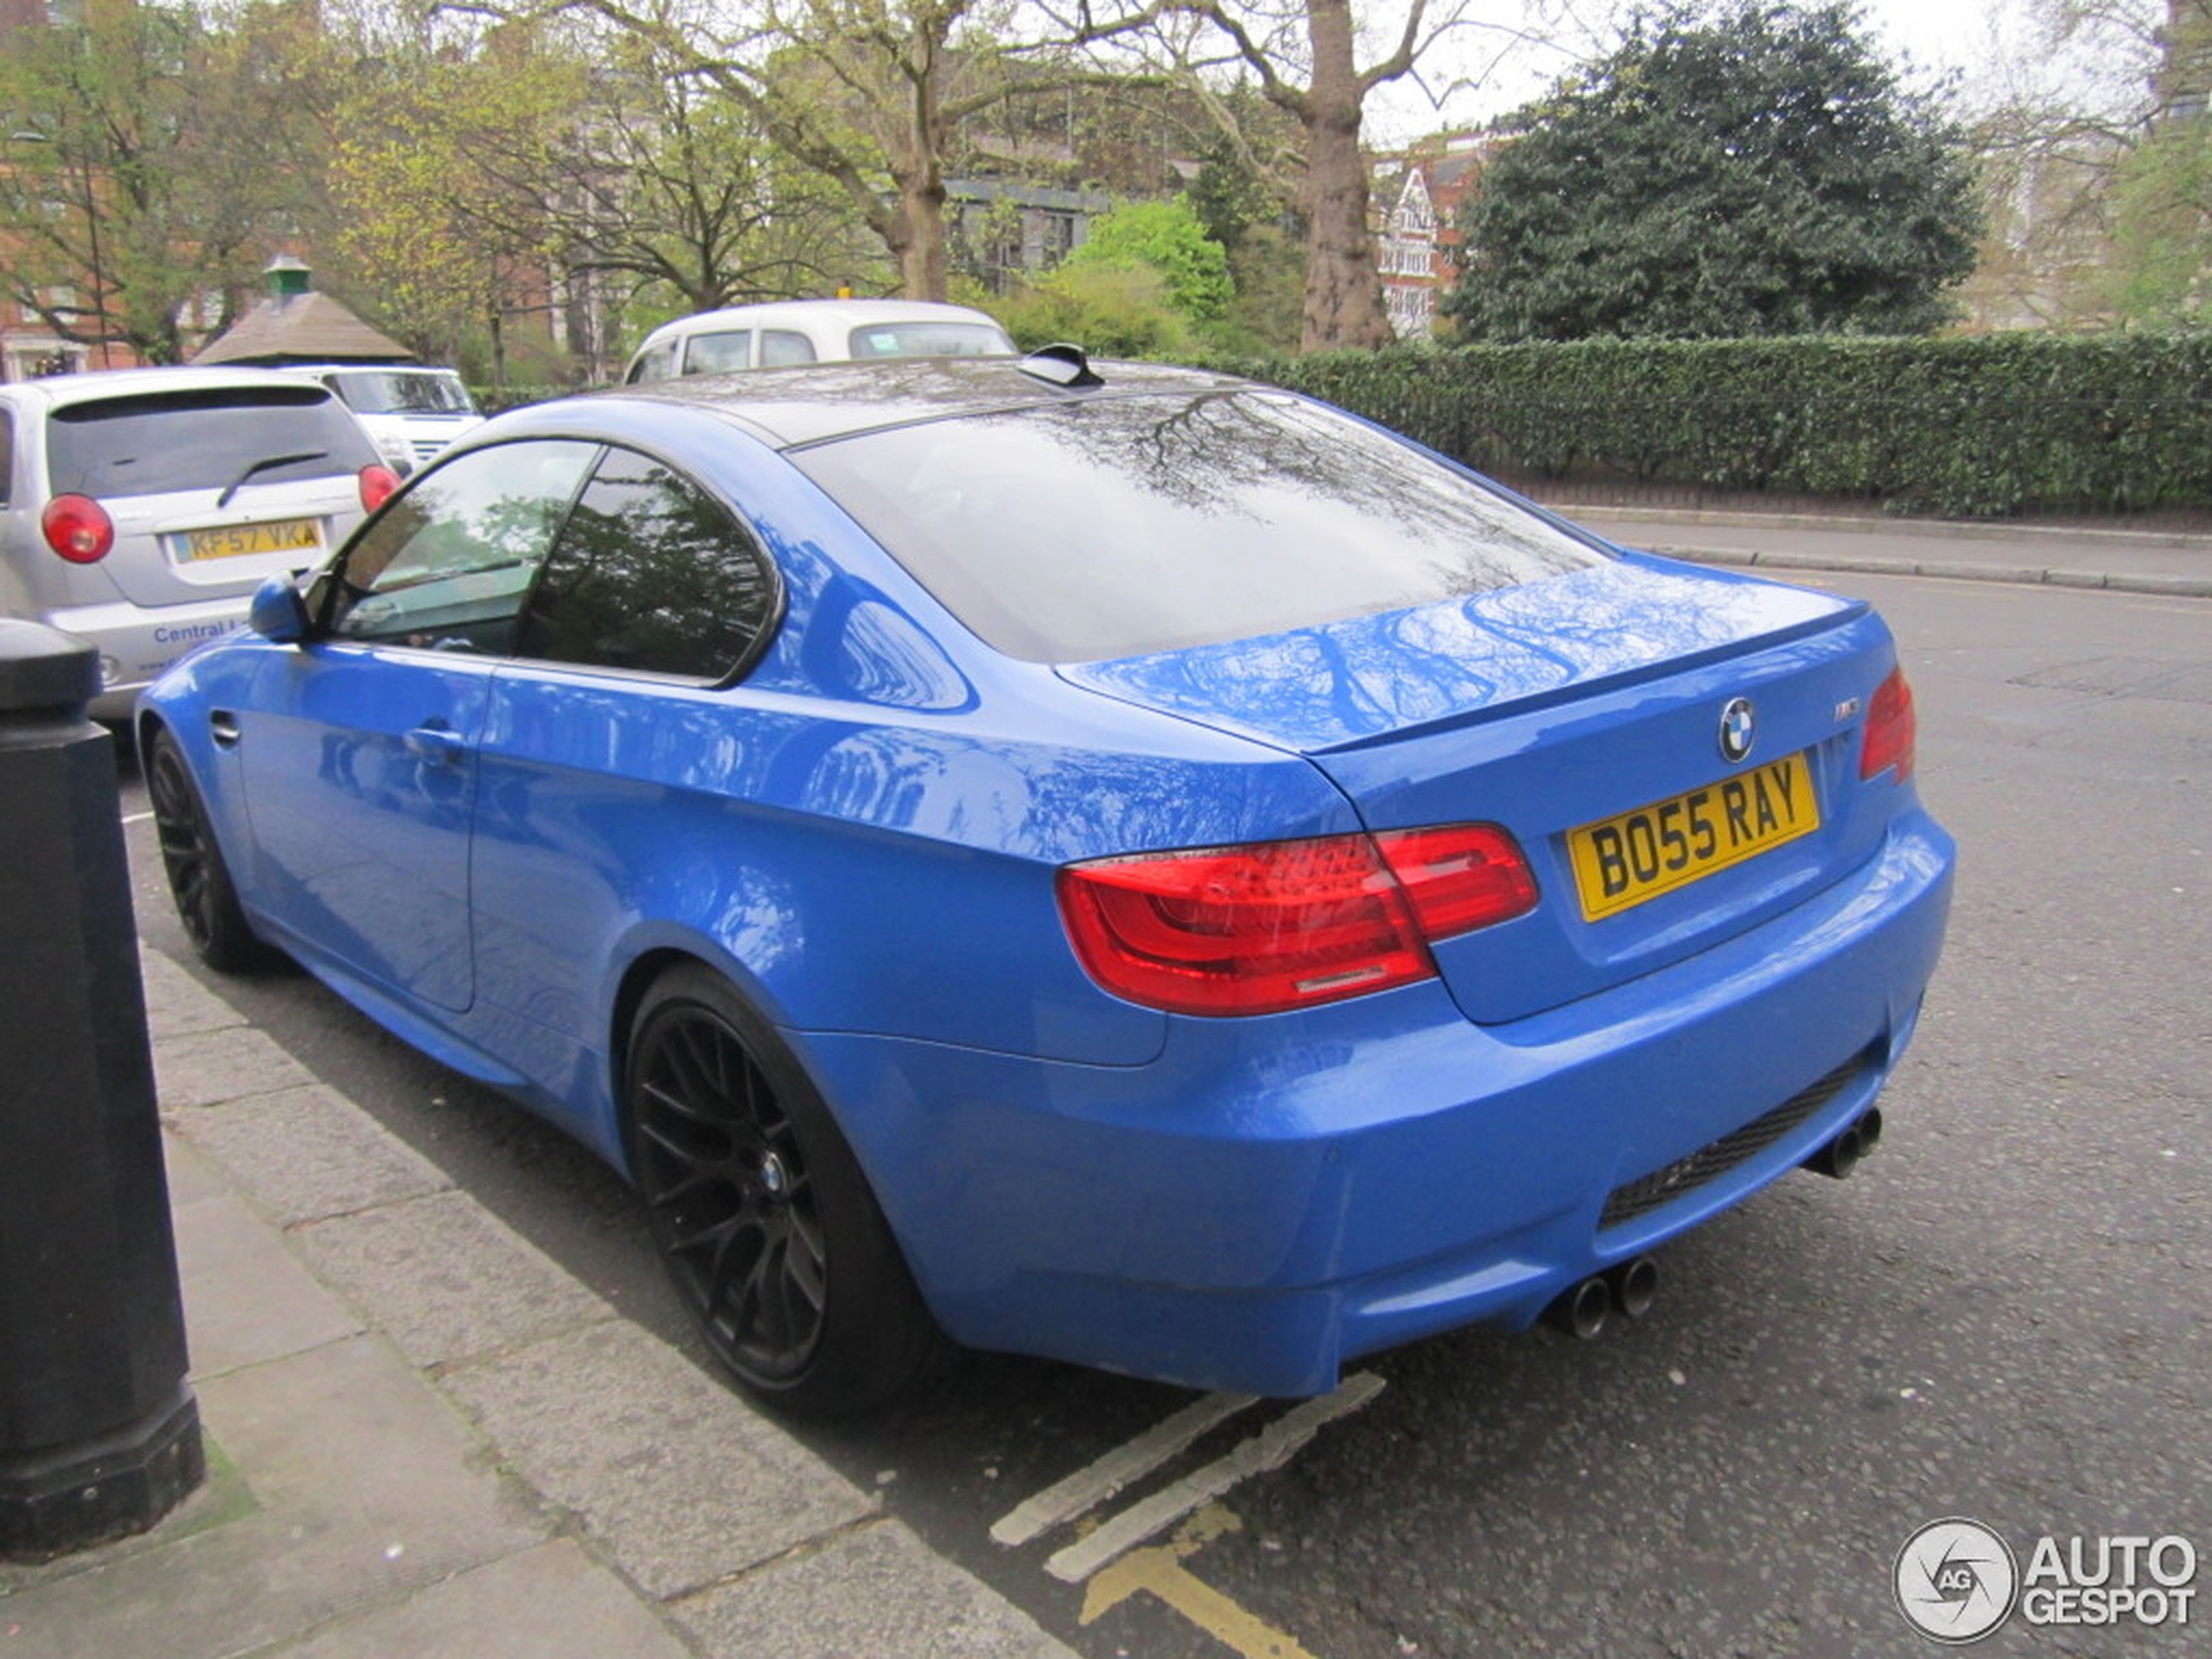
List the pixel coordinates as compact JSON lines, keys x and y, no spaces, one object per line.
{"x":876,"y":1590}
{"x":205,"y":1068}
{"x":444,"y":1279}
{"x":306,"y":1154}
{"x":554,"y":1599}
{"x":676,"y":1476}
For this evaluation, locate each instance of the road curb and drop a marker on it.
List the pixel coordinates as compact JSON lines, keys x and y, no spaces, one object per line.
{"x":1956,"y":570}
{"x":1954,"y":529}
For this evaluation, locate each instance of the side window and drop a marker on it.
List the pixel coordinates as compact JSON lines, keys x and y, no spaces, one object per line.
{"x":714,"y":354}
{"x":650,"y":573}
{"x":779,"y":346}
{"x":448,"y":563}
{"x":7,"y":456}
{"x":656,"y":364}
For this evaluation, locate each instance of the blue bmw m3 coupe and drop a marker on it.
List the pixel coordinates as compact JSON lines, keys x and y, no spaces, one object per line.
{"x":1111,"y":862}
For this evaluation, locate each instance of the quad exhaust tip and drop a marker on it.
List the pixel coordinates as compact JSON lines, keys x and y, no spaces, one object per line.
{"x":1627,"y":1288}
{"x":1841,"y":1156}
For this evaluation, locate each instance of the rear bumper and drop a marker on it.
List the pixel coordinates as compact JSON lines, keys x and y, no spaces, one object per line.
{"x":139,"y":643}
{"x":1271,"y":1198}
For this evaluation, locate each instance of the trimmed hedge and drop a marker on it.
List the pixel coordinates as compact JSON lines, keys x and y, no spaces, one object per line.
{"x":1969,"y":428}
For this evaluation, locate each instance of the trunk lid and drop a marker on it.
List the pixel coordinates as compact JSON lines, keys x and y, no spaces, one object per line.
{"x":1562,"y":705}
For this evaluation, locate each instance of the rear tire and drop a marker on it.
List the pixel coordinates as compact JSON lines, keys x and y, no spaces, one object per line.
{"x":762,"y":1216}
{"x":199,"y":881}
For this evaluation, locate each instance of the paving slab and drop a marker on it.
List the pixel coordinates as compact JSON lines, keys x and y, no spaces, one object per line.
{"x":306,"y":1154}
{"x":221,"y":1244}
{"x":870,"y":1594}
{"x":444,"y":1279}
{"x":201,"y":1068}
{"x":366,"y":1489}
{"x":545,"y":1603}
{"x":681,"y":1481}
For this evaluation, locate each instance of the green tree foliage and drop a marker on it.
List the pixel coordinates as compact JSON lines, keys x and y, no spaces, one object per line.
{"x":1751,"y":170}
{"x":434,"y":186}
{"x":2161,"y":204}
{"x":2161,"y":216}
{"x":147,"y":158}
{"x":1108,"y":310}
{"x":1165,"y":236}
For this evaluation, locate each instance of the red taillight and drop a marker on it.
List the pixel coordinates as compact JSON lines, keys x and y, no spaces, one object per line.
{"x":1287,"y":924}
{"x":377,"y":483}
{"x":78,"y":528}
{"x":1892,"y":729}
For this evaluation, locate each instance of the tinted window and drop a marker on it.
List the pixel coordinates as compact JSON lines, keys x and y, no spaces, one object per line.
{"x":781,"y":346}
{"x":650,"y":573}
{"x":7,"y":457}
{"x":716,"y":353}
{"x":448,"y":562}
{"x":398,"y":392}
{"x":1113,"y":527}
{"x":202,"y":440}
{"x":655,"y":363}
{"x":928,"y":339}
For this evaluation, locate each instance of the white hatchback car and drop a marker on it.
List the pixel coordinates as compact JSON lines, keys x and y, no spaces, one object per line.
{"x":813,"y":331}
{"x":139,"y":507}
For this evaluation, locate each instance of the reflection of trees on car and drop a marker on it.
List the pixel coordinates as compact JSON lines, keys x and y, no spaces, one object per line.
{"x":650,"y":573}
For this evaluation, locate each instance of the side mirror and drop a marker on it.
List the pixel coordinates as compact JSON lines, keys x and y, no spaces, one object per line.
{"x":278,"y":613}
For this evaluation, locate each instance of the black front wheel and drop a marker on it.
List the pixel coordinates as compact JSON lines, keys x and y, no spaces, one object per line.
{"x":762,"y":1215}
{"x":199,"y":880}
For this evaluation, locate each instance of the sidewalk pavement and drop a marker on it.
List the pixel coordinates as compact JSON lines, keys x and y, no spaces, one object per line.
{"x":2129,"y":560}
{"x":425,"y":1438}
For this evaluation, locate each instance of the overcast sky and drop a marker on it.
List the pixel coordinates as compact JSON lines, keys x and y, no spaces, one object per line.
{"x":1981,"y":40}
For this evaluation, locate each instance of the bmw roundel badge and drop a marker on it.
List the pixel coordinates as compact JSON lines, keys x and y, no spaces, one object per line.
{"x":1739,"y":728}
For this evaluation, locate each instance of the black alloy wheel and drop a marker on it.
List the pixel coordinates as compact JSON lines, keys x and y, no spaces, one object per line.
{"x":762,"y":1216}
{"x":199,"y":880}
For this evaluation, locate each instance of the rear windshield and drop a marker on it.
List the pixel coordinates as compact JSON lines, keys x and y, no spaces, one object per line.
{"x":1112,"y":528}
{"x":203,"y":439}
{"x":928,"y":339}
{"x":392,"y":392}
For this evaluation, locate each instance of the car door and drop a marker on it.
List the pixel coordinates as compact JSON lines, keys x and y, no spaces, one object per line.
{"x":608,"y":747}
{"x":359,"y":756}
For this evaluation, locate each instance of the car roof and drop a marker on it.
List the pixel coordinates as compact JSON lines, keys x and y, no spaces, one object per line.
{"x":369,"y":368}
{"x":59,"y":391}
{"x":811,"y":403}
{"x":852,"y":314}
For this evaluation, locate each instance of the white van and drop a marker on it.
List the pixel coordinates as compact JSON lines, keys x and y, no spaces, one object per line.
{"x":410,"y":412}
{"x":813,"y":331}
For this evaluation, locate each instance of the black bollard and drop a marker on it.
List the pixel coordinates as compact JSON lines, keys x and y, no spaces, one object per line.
{"x":100,"y":1433}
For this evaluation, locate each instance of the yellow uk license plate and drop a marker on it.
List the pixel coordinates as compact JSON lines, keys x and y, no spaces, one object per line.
{"x":1620,"y":861}
{"x":234,"y":541}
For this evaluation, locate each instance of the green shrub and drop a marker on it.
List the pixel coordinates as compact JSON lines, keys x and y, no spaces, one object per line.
{"x":1967,"y":428}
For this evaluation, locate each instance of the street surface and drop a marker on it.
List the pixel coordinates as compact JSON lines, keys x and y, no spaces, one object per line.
{"x":2002,"y":1316}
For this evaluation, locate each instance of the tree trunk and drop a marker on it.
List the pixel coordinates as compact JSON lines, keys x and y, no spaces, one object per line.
{"x":923,"y":262}
{"x":1344,"y":296}
{"x":922,"y":265}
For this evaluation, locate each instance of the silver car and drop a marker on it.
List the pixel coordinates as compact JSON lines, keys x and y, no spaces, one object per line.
{"x":140,"y":507}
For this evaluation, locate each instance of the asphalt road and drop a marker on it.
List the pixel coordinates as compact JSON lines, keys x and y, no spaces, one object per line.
{"x":2002,"y":1316}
